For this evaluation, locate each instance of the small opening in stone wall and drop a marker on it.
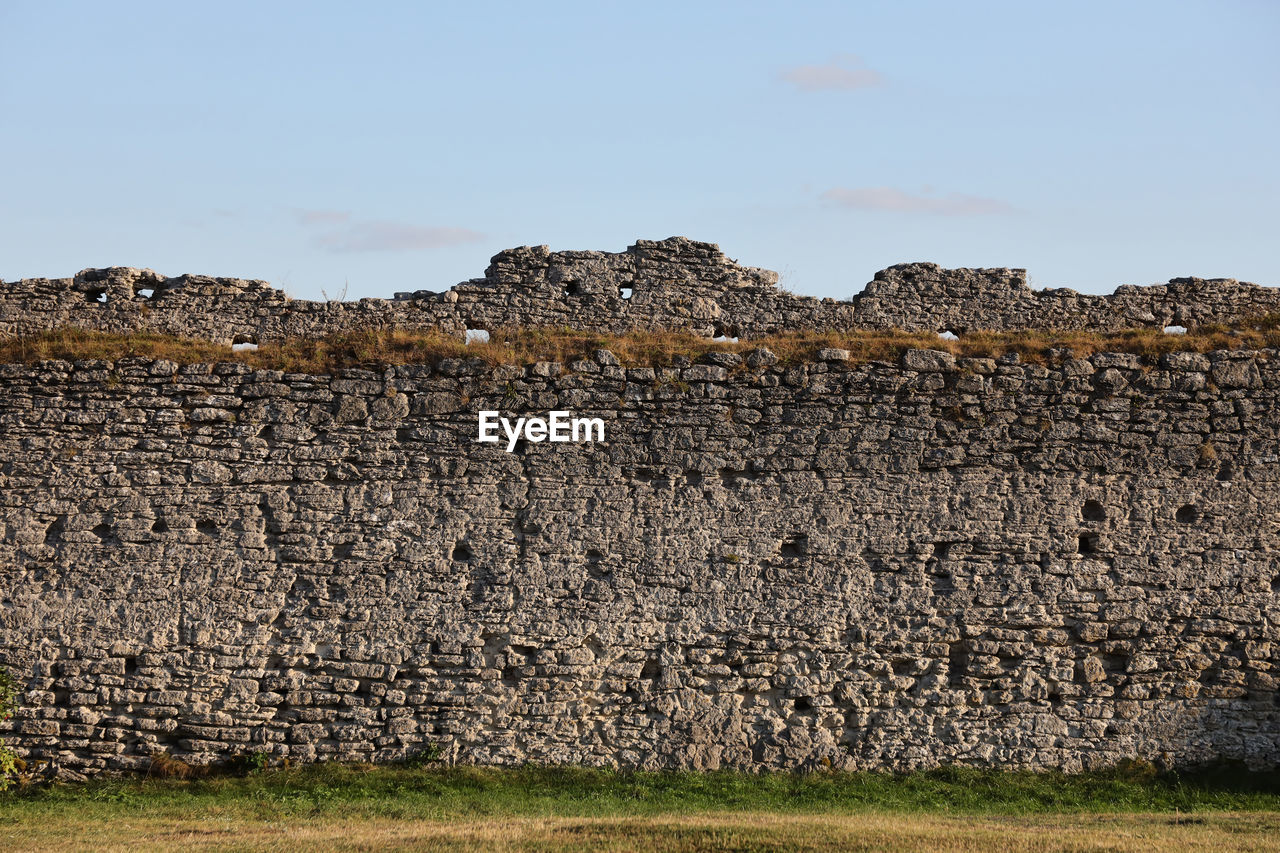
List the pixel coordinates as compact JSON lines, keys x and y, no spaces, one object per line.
{"x":948,"y":335}
{"x":1227,"y":472}
{"x":803,"y":703}
{"x":693,"y":478}
{"x":477,"y":336}
{"x":1187,"y":514}
{"x":726,"y":334}
{"x":957,"y":663}
{"x":207,"y":526}
{"x":651,"y":670}
{"x":795,"y":546}
{"x":462,"y":552}
{"x":98,"y":294}
{"x":1093,"y":511}
{"x":1275,"y":585}
{"x":244,"y":342}
{"x":1087,"y":543}
{"x":159,"y":526}
{"x":145,"y":292}
{"x":102,"y":531}
{"x":571,"y":288}
{"x":624,"y":292}
{"x":342,"y":550}
{"x":595,"y":563}
{"x":130,"y":665}
{"x":1175,"y":330}
{"x":53,"y":534}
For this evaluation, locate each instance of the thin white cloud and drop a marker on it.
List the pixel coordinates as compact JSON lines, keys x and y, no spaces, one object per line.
{"x":394,"y":237}
{"x":322,"y":217}
{"x":844,"y":73}
{"x":892,"y":199}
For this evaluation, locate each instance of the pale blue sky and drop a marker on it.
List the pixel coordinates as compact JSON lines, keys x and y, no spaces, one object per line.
{"x":395,"y":146}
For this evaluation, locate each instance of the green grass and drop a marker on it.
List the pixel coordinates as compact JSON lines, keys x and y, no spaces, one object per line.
{"x":344,"y":807}
{"x":441,"y":793}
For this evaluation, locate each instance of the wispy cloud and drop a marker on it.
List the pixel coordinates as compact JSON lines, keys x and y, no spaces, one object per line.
{"x":394,"y":237}
{"x":844,"y":73}
{"x":339,"y":233}
{"x":892,"y":199}
{"x":322,"y":217}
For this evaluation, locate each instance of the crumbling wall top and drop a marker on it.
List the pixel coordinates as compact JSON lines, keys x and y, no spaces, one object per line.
{"x":677,"y":283}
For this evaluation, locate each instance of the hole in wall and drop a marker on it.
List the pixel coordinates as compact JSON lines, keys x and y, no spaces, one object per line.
{"x":1175,"y":330}
{"x":1187,"y":514}
{"x":725,"y":334}
{"x":942,"y":550}
{"x":102,"y":531}
{"x":693,"y":478}
{"x":948,"y":335}
{"x":207,"y":527}
{"x":53,"y":534}
{"x":130,"y":665}
{"x":624,"y":292}
{"x":477,"y":336}
{"x":803,"y":703}
{"x":1227,"y":472}
{"x":1275,"y":586}
{"x":244,"y":342}
{"x":462,"y":552}
{"x":651,"y":670}
{"x":732,"y":478}
{"x":571,"y":288}
{"x":595,"y":560}
{"x":957,"y":663}
{"x":343,"y":550}
{"x":1093,"y":511}
{"x":795,"y":546}
{"x":1087,"y":543}
{"x":145,"y":292}
{"x":98,"y":294}
{"x":159,"y":526}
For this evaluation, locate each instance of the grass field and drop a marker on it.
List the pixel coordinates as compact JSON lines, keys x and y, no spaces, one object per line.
{"x":363,"y":808}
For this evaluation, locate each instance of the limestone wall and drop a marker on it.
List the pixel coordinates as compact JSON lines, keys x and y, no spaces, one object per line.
{"x":672,"y":284}
{"x":885,"y":565}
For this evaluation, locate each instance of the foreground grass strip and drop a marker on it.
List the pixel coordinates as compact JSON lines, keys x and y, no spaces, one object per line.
{"x":701,"y":832}
{"x":358,"y":807}
{"x":636,"y":349}
{"x":363,"y":791}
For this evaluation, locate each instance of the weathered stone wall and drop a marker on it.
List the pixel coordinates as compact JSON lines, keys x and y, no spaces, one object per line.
{"x":886,"y":565}
{"x":673,"y":284}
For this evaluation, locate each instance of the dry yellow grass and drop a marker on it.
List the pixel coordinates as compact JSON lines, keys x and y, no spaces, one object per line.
{"x":1219,"y":832}
{"x":650,"y":348}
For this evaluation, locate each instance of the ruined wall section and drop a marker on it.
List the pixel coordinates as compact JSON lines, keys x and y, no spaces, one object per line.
{"x":926,"y":297}
{"x":669,"y":284}
{"x":884,"y":565}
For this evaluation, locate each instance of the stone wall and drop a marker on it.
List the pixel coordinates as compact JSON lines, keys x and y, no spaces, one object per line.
{"x":671,"y":284}
{"x":883,"y":565}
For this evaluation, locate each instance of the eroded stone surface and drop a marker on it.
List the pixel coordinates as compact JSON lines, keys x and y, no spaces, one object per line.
{"x":764,"y":566}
